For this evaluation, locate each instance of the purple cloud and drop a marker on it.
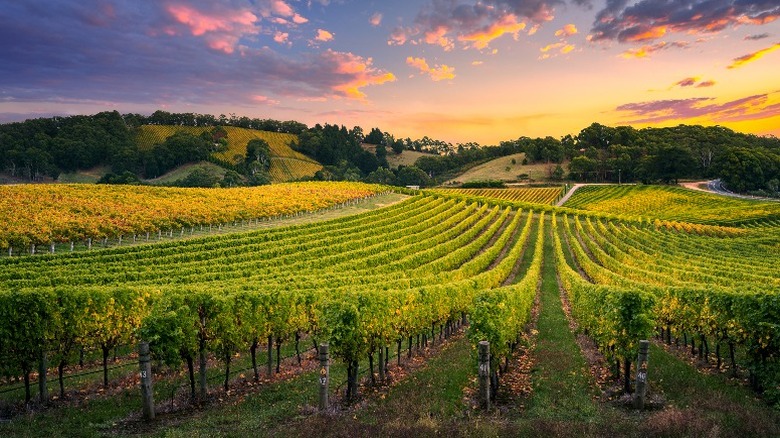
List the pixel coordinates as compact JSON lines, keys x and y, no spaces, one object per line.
{"x":650,"y":20}
{"x":448,"y":22}
{"x":748,"y":108}
{"x":177,"y":52}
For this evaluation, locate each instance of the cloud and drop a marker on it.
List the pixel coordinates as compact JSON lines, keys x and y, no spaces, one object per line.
{"x":375,"y":19}
{"x":649,"y":20}
{"x":749,"y":108}
{"x":282,"y":38}
{"x":645,"y":51}
{"x":757,"y":37}
{"x":445,"y":22}
{"x":264,"y":100}
{"x":357,"y":72}
{"x":566,"y":31}
{"x":221,"y":29}
{"x":562,"y":47}
{"x":323,"y":36}
{"x":693,"y":82}
{"x":438,"y":73}
{"x":750,"y":57}
{"x":687,"y":82}
{"x":151,"y":58}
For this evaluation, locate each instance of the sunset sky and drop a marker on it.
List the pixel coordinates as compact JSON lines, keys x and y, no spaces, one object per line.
{"x":455,"y":70}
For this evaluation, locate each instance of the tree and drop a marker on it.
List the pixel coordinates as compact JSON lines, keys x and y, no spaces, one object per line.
{"x":374,"y":137}
{"x":412,"y":176}
{"x":381,"y":176}
{"x":582,"y":168}
{"x":669,"y":164}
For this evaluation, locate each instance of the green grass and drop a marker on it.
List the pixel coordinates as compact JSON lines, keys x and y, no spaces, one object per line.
{"x":503,"y":169}
{"x":563,"y":387}
{"x":183,"y":171}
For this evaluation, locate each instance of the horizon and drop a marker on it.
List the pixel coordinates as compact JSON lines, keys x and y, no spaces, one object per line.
{"x":458,"y":71}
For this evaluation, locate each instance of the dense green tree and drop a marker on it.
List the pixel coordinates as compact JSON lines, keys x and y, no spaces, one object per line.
{"x":375,"y":136}
{"x":412,"y":176}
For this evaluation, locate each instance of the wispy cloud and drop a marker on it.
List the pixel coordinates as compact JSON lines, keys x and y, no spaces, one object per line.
{"x":757,"y":37}
{"x":647,"y":50}
{"x":649,"y":20}
{"x":750,"y":57}
{"x":437,"y":73}
{"x":749,"y":108}
{"x":693,"y":82}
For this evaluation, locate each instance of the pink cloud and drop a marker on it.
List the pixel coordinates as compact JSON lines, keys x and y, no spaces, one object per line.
{"x":221,"y":30}
{"x":354,"y":72}
{"x":264,"y":100}
{"x":437,"y":73}
{"x":282,"y":37}
{"x":280,"y":7}
{"x":375,"y":19}
{"x":749,"y":108}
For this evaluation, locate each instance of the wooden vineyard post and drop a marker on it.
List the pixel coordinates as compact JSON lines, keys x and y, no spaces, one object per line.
{"x":324,"y":377}
{"x":146,"y":381}
{"x":641,"y":375}
{"x":43,"y":389}
{"x":484,"y":374}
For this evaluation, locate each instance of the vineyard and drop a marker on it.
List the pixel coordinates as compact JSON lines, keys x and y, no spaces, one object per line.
{"x":380,"y":281}
{"x":676,"y":204}
{"x":43,"y":215}
{"x":546,"y":195}
{"x":286,"y":164}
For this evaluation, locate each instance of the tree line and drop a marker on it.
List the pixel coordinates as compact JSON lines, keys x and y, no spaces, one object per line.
{"x":743,"y":162}
{"x":46,"y":147}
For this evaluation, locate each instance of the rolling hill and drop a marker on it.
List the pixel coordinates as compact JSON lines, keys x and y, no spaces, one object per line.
{"x":286,"y":164}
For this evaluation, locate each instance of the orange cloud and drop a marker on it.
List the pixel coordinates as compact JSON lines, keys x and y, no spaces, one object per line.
{"x":750,"y":57}
{"x":438,"y":36}
{"x":357,"y":72}
{"x":221,"y":31}
{"x":323,"y":35}
{"x":480,"y":39}
{"x":645,"y":51}
{"x":566,"y":31}
{"x":652,"y":33}
{"x":438,"y":73}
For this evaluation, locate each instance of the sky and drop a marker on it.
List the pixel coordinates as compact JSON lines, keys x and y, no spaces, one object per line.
{"x":454,"y":70}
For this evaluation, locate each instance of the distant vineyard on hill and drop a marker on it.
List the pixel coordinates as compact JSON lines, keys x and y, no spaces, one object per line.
{"x":286,"y":164}
{"x":536,"y":195}
{"x":675,"y":204}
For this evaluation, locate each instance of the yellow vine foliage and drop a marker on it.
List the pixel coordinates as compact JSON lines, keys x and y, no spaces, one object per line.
{"x":42,"y":214}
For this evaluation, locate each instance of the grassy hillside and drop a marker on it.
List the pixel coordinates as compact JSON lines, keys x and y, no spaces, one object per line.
{"x":503,"y":169}
{"x":405,"y":158}
{"x":286,"y":164}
